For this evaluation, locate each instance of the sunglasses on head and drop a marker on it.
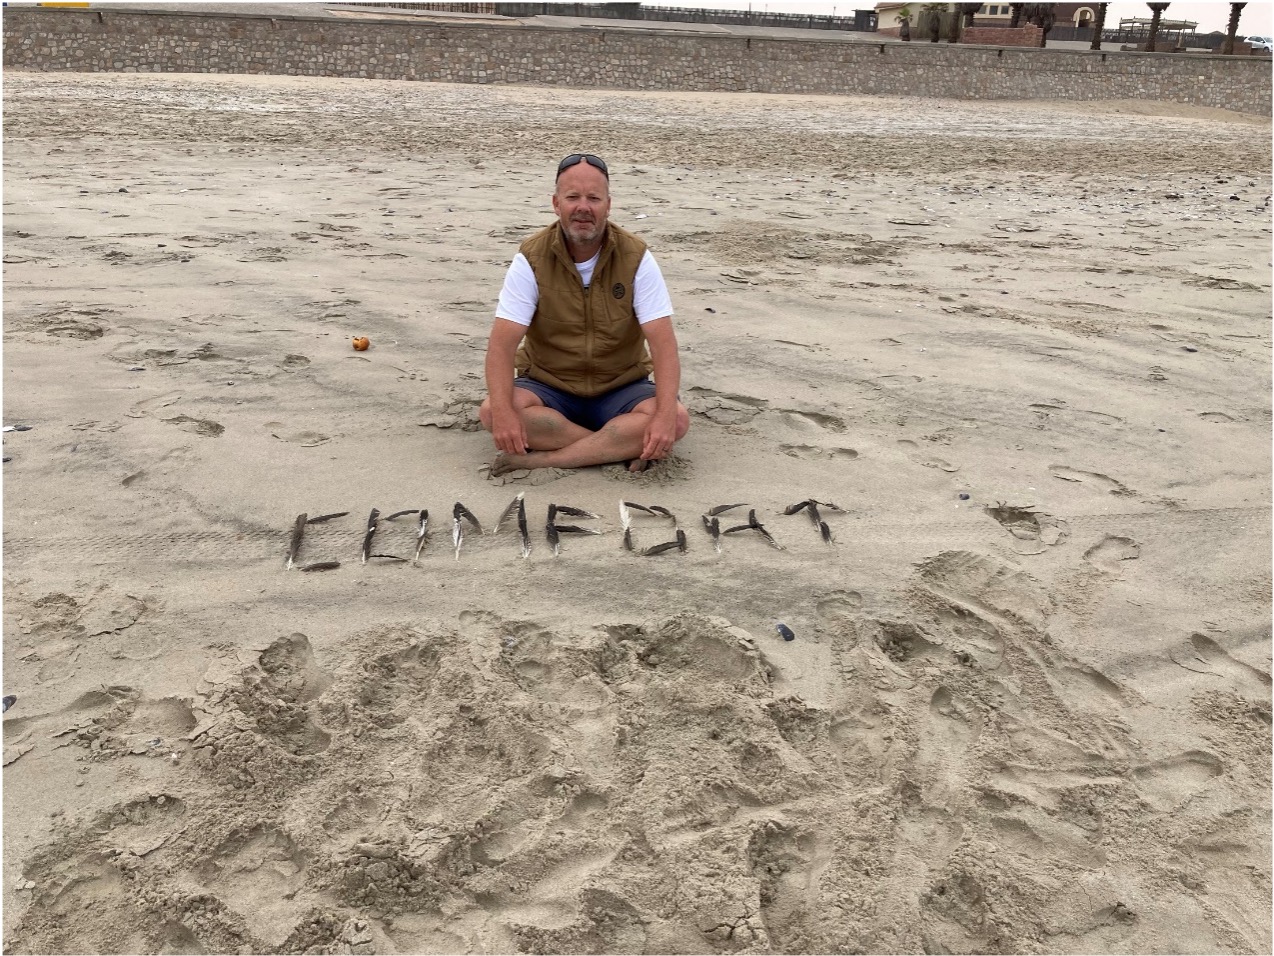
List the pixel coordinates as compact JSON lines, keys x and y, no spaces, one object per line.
{"x":576,"y":158}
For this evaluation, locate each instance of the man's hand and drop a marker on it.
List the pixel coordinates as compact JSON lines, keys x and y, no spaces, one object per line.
{"x":661,"y":434}
{"x":507,"y":430}
{"x":661,"y":431}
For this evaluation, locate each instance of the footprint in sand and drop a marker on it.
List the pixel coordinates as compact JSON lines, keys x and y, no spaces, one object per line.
{"x":1221,"y":417}
{"x":1036,"y":529}
{"x":532,"y":476}
{"x":1203,"y":655}
{"x":197,"y":426}
{"x":1095,"y":478}
{"x":303,"y":437}
{"x":927,"y":461}
{"x":838,"y":604}
{"x":1110,"y":550}
{"x":1167,"y":784}
{"x":146,"y":406}
{"x":809,"y":452}
{"x":723,"y":408}
{"x":258,"y":872}
{"x":804,"y":419}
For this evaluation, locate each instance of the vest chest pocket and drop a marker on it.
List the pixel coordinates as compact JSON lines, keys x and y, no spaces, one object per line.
{"x":613,"y":320}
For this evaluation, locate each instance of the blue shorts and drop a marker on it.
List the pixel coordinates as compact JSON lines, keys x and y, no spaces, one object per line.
{"x":591,"y":413}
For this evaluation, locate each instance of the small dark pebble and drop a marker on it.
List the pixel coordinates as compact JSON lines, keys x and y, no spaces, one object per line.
{"x":162,"y":245}
{"x":1189,"y":348}
{"x":710,"y":309}
{"x":786,"y":631}
{"x":964,"y":496}
{"x":136,"y":368}
{"x":122,"y":189}
{"x":21,"y":428}
{"x":7,"y":458}
{"x":8,"y":700}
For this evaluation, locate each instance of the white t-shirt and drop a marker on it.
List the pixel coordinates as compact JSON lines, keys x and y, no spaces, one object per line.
{"x":521,"y":293}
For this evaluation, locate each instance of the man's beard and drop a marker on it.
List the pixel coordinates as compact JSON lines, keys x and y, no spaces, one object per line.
{"x":584,"y":232}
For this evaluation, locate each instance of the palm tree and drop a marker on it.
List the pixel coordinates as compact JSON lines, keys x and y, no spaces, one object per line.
{"x":1156,"y":10}
{"x":1015,"y":11}
{"x":1235,"y":10}
{"x":1043,"y":15}
{"x":904,"y":24}
{"x":934,"y":12}
{"x":966,"y":11}
{"x":1098,"y":25}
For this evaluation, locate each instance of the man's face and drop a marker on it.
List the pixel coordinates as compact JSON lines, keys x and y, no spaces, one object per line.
{"x":582,"y":203}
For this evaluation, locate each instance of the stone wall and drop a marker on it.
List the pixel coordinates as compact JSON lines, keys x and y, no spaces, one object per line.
{"x":50,"y":39}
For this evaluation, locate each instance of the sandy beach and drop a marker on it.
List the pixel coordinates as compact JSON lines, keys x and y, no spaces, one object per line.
{"x":1019,"y":351}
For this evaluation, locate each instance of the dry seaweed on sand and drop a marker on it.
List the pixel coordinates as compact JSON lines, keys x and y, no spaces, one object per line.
{"x":722,"y":509}
{"x":294,"y":546}
{"x":399,"y":514}
{"x":371,"y":532}
{"x":825,"y":531}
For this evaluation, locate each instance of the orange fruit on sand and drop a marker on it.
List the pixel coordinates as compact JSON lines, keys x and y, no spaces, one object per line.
{"x":361,"y":342}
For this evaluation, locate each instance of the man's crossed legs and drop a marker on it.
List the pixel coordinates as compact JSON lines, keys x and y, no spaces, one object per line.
{"x":566,"y":431}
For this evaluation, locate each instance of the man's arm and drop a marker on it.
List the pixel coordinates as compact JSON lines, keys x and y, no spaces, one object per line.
{"x":506,"y":424}
{"x":661,"y":433}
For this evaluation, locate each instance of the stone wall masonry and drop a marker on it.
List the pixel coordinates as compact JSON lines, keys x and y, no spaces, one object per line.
{"x":51,"y":39}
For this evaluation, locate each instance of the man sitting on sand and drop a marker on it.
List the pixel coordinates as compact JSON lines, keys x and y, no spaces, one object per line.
{"x":583,"y":299}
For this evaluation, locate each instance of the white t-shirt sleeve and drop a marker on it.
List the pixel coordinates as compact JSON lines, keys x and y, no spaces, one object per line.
{"x":650,"y":292}
{"x":520,"y":294}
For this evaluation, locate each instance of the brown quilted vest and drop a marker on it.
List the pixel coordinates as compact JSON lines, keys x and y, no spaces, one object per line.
{"x":584,"y":341}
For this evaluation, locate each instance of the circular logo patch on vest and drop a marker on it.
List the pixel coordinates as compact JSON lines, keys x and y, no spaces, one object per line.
{"x":617,"y":290}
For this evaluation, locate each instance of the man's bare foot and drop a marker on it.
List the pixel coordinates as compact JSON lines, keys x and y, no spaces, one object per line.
{"x":502,"y":464}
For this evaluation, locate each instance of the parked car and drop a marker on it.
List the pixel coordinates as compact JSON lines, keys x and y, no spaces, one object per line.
{"x":1261,"y":43}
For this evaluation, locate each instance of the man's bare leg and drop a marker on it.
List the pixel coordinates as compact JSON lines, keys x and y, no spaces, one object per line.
{"x":620,"y":439}
{"x":546,"y":428}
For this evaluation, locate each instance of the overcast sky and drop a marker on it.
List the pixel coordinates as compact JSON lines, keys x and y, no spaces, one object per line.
{"x":1258,"y":18}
